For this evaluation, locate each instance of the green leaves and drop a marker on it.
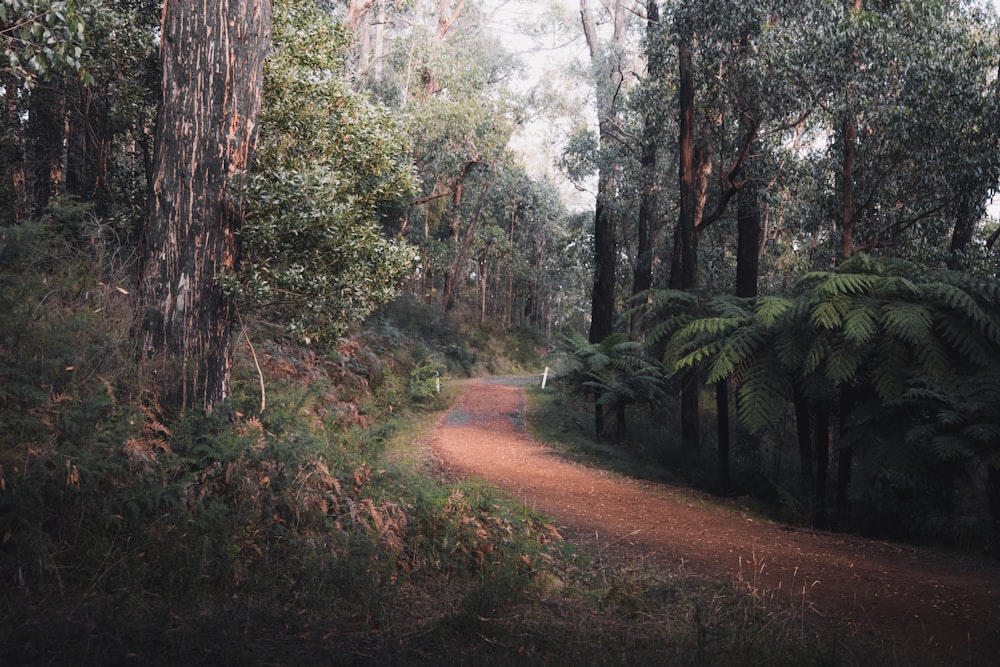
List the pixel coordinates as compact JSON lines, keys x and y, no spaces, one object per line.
{"x":329,"y":164}
{"x":615,"y":370}
{"x":881,"y":323}
{"x":40,"y":37}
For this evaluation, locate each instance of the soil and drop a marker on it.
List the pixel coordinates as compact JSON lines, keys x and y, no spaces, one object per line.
{"x":916,"y":605}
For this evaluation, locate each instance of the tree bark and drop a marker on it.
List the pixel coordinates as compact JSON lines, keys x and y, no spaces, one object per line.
{"x":642,"y":279}
{"x":748,"y":230}
{"x":610,"y":79}
{"x":212,"y":55}
{"x":722,"y":462}
{"x":688,"y":175}
{"x":848,"y":221}
{"x":821,"y":442}
{"x":803,"y":430}
{"x":687,"y":236}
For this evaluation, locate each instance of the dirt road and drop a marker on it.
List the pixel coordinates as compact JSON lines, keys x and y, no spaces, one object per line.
{"x":923,"y":607}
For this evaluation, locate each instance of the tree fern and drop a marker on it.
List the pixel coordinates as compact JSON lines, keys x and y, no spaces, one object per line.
{"x":763,"y":394}
{"x":860,"y":324}
{"x":769,"y":309}
{"x":829,"y":314}
{"x":889,"y":374}
{"x":910,"y":322}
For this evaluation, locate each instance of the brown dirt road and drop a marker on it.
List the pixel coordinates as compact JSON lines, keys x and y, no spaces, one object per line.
{"x":921,"y":607}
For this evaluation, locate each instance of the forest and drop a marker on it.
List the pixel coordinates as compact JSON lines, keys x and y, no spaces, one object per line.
{"x":242,"y":242}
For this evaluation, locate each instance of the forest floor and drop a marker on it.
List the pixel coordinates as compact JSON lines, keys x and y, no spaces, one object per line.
{"x":918,"y":606}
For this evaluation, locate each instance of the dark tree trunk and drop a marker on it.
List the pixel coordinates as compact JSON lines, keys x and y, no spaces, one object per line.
{"x":642,"y":279}
{"x":849,"y":132}
{"x":747,"y":254}
{"x":602,"y":314}
{"x":821,"y":440}
{"x":687,"y":236}
{"x":993,"y":497}
{"x":803,"y":430}
{"x":848,"y":221}
{"x":748,"y":241}
{"x":845,"y":464}
{"x":688,"y":176}
{"x":599,"y":421}
{"x":722,"y":403}
{"x":845,"y":458}
{"x":966,"y":215}
{"x":212,"y":56}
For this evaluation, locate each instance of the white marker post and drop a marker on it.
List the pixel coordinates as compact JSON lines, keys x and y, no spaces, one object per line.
{"x":437,"y":381}
{"x":545,"y":376}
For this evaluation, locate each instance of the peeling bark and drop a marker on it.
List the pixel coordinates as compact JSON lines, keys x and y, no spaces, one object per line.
{"x":212,"y":54}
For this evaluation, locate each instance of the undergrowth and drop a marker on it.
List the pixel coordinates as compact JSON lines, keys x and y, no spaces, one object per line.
{"x":292,"y":534}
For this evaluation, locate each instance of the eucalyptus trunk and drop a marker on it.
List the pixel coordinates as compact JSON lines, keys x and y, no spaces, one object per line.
{"x":212,"y":57}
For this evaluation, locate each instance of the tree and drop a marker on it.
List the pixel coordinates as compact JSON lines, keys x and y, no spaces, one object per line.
{"x":616,"y":373}
{"x":212,"y":57}
{"x":908,"y":97}
{"x":610,"y":66}
{"x":43,"y":43}
{"x":653,"y":133}
{"x":329,"y":170}
{"x":875,"y":338}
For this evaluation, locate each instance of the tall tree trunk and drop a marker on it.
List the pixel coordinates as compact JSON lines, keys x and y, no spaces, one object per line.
{"x":212,"y":55}
{"x":688,"y":175}
{"x":748,"y":229}
{"x":966,"y":215}
{"x":849,"y":135}
{"x":607,"y":64}
{"x":848,"y":221}
{"x":687,"y":235}
{"x":821,"y":448}
{"x":748,"y":244}
{"x":602,"y":305}
{"x":722,"y":460}
{"x":642,"y":279}
{"x":993,"y":497}
{"x":804,"y":431}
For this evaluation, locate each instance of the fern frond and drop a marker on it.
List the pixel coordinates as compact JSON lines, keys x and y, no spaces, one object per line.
{"x":897,"y":287}
{"x":842,"y":364}
{"x":737,"y":350}
{"x":730,"y":307}
{"x":910,"y":322}
{"x":818,"y":351}
{"x":769,"y":309}
{"x":860,"y":325}
{"x":762,"y":396}
{"x":933,"y":357}
{"x":830,"y":314}
{"x":949,"y":448}
{"x":891,"y":361}
{"x":964,"y":340}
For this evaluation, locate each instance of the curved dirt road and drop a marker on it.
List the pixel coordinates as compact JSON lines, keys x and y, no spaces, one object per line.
{"x":920,"y":607}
